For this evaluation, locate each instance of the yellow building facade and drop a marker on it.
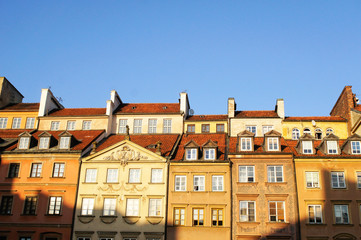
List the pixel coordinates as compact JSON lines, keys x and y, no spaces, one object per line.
{"x":206,"y":124}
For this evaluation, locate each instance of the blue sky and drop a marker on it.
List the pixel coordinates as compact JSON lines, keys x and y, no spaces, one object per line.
{"x":150,"y":51}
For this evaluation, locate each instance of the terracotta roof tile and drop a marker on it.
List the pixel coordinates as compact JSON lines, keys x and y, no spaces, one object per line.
{"x":139,"y":108}
{"x":200,"y":139}
{"x":78,"y":112}
{"x":258,"y":146}
{"x":20,"y":107}
{"x":207,"y":118}
{"x":325,"y":119}
{"x":256,"y":114}
{"x":146,"y":141}
{"x":10,"y":133}
{"x":358,"y":107}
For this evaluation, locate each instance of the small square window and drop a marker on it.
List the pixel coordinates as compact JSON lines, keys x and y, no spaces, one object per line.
{"x":134,"y":175}
{"x":64,"y":143}
{"x":157,"y":175}
{"x":44,"y":142}
{"x":191,"y":128}
{"x":205,"y":128}
{"x":112,"y":175}
{"x":275,"y":173}
{"x":55,"y":125}
{"x":220,"y":128}
{"x":338,"y":180}
{"x":30,"y":122}
{"x":252,"y":129}
{"x":180,"y":183}
{"x":91,"y":175}
{"x":87,"y":125}
{"x":70,"y":125}
{"x":30,"y":205}
{"x":191,"y":154}
{"x":87,"y":206}
{"x":198,"y":183}
{"x":341,"y":214}
{"x":312,"y":180}
{"x":16,"y":123}
{"x":210,"y":154}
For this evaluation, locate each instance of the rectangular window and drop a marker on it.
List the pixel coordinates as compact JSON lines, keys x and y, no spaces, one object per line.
{"x":87,"y":206}
{"x":358,"y":179}
{"x":307,"y":147}
{"x":266,"y":129}
{"x":167,"y":125}
{"x":332,"y":147}
{"x":54,"y":205}
{"x":355,"y":147}
{"x":91,"y":175}
{"x":198,"y":217}
{"x":137,"y":126}
{"x":275,"y":173}
{"x":152,"y":126}
{"x":246,"y":173}
{"x":44,"y":142}
{"x":210,"y":154}
{"x":134,"y":175}
{"x":273,"y":144}
{"x":314,"y":214}
{"x":54,"y":125}
{"x":155,"y":207}
{"x":205,"y":128}
{"x":30,"y":122}
{"x":341,"y":214}
{"x":58,"y":170}
{"x":180,"y":183}
{"x":123,"y":125}
{"x":13,"y":170}
{"x":246,"y":144}
{"x":24,"y":143}
{"x":83,"y":238}
{"x":25,"y":238}
{"x":157,"y":175}
{"x":36,"y":170}
{"x":191,"y":128}
{"x":132,"y":207}
{"x":191,"y":154}
{"x":179,"y":216}
{"x":64,"y":143}
{"x":112,"y":175}
{"x":109,"y":207}
{"x":247,"y":211}
{"x":6,"y":205}
{"x":198,"y":183}
{"x":16,"y":123}
{"x":338,"y":180}
{"x":87,"y":125}
{"x":217,"y":183}
{"x":30,"y":205}
{"x":220,"y":128}
{"x":312,"y":180}
{"x":252,"y":129}
{"x":70,"y":125}
{"x":3,"y":122}
{"x":217,"y":217}
{"x":276,"y":211}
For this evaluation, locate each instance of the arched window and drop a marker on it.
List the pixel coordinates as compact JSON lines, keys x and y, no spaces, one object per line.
{"x":295,"y":134}
{"x":329,"y":131}
{"x":306,"y":130}
{"x":318,"y":133}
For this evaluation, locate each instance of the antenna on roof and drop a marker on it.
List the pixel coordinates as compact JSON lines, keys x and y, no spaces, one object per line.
{"x":191,"y":111}
{"x":49,"y":87}
{"x":59,"y":99}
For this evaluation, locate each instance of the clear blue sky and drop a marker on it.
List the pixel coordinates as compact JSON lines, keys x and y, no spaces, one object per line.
{"x":150,"y":51}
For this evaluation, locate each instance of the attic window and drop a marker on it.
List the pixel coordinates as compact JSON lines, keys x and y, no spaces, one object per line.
{"x":165,"y":107}
{"x":209,"y":153}
{"x":273,"y":144}
{"x":191,"y":154}
{"x":306,"y":130}
{"x":24,"y":143}
{"x":355,"y":147}
{"x":307,"y":147}
{"x":64,"y":143}
{"x":44,"y":142}
{"x":246,"y":144}
{"x":332,"y":147}
{"x":318,"y":133}
{"x":134,"y":107}
{"x":329,"y":131}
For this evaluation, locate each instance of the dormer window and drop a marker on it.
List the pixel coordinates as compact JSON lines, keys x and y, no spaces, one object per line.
{"x":24,"y":143}
{"x":246,"y":144}
{"x":64,"y":143}
{"x":273,"y":144}
{"x":307,"y":147}
{"x":209,"y":154}
{"x":332,"y":147}
{"x":355,"y":147}
{"x":44,"y":142}
{"x":191,"y":154}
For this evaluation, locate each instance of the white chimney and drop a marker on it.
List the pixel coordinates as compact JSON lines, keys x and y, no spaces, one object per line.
{"x":48,"y":102}
{"x":231,"y":107}
{"x":280,"y":108}
{"x":184,"y":104}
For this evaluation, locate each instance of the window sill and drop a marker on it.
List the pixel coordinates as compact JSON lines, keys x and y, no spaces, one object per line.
{"x":339,"y":188}
{"x":57,"y":177}
{"x":131,"y":219}
{"x":286,"y":223}
{"x":343,"y":225}
{"x":12,"y":177}
{"x":28,"y":215}
{"x":180,"y":191}
{"x":108,"y":219}
{"x":247,"y":183}
{"x":275,"y":183}
{"x":154,"y":219}
{"x":110,"y":182}
{"x":133,"y":183}
{"x":6,"y":214}
{"x":156,"y":183}
{"x":35,"y":177}
{"x":316,"y":224}
{"x":89,"y":182}
{"x":53,"y":215}
{"x":251,"y":223}
{"x":86,"y":218}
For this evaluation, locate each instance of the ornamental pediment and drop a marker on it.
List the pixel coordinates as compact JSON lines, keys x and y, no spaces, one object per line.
{"x":125,"y":154}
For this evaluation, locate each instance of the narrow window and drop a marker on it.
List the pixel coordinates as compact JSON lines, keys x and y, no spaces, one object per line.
{"x":152,"y":126}
{"x":36,"y":170}
{"x":198,"y":217}
{"x":332,"y":147}
{"x":64,"y":143}
{"x":295,"y":134}
{"x":112,"y":175}
{"x":155,"y":207}
{"x":70,"y":125}
{"x":314,"y":214}
{"x":355,"y":147}
{"x":247,"y":211}
{"x":198,"y":183}
{"x":276,"y":211}
{"x":6,"y":205}
{"x":109,"y":207}
{"x":179,"y":216}
{"x":24,"y":143}
{"x":191,"y":128}
{"x":54,"y":205}
{"x":30,"y":121}
{"x":16,"y":123}
{"x":87,"y":206}
{"x":358,"y":179}
{"x":217,"y":183}
{"x":273,"y":144}
{"x":123,"y":125}
{"x":58,"y":170}
{"x":209,"y":154}
{"x":137,"y":126}
{"x":318,"y":133}
{"x":307,"y":147}
{"x":167,"y":125}
{"x":180,"y":183}
{"x":132,"y":207}
{"x":14,"y":170}
{"x":217,"y":217}
{"x":3,"y":122}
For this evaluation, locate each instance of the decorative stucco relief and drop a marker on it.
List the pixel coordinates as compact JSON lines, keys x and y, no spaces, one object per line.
{"x":124,"y":155}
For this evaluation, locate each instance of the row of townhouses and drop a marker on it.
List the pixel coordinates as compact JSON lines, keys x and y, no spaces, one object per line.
{"x":153,"y":171}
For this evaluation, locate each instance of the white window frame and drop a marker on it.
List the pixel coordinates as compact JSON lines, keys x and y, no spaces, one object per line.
{"x":180,"y":183}
{"x":155,"y":207}
{"x":338,"y":179}
{"x":132,"y":207}
{"x":123,"y":126}
{"x":54,"y":125}
{"x":58,"y":170}
{"x":210,"y":154}
{"x":307,"y":147}
{"x":267,"y":128}
{"x":91,"y":175}
{"x":3,"y":122}
{"x":355,"y":147}
{"x":134,"y":175}
{"x":87,"y":124}
{"x":217,"y":183}
{"x":36,"y":170}
{"x":30,"y":122}
{"x":24,"y":143}
{"x":272,"y":173}
{"x":191,"y":153}
{"x":199,"y":182}
{"x":295,"y":134}
{"x":246,"y":144}
{"x":87,"y":206}
{"x":157,"y":175}
{"x":246,"y":174}
{"x":112,"y":175}
{"x":273,"y":144}
{"x":317,"y":214}
{"x":16,"y":123}
{"x":340,"y":210}
{"x":137,"y":127}
{"x":246,"y":209}
{"x":167,"y":125}
{"x":332,"y":147}
{"x":312,"y":179}
{"x":152,"y":125}
{"x":329,"y":131}
{"x":64,"y":142}
{"x":44,"y":142}
{"x":307,"y":130}
{"x":55,"y":203}
{"x":70,"y":125}
{"x":109,"y":206}
{"x":277,"y":217}
{"x":252,"y":129}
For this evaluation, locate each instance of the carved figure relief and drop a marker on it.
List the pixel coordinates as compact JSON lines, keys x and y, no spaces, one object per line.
{"x":131,"y":188}
{"x":124,"y":155}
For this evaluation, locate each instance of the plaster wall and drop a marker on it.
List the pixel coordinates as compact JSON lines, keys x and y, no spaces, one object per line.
{"x":212,"y":126}
{"x":22,"y":115}
{"x":98,"y":123}
{"x":339,"y":128}
{"x":239,"y":124}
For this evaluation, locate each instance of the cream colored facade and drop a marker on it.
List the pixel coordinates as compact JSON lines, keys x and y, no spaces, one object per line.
{"x":238,"y":125}
{"x":212,"y":125}
{"x":132,"y":214}
{"x":97,"y":122}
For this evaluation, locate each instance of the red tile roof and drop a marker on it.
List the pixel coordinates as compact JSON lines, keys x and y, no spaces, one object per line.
{"x":323,"y":119}
{"x":78,"y":112}
{"x":140,"y":108}
{"x":84,"y":138}
{"x":10,"y":133}
{"x":146,"y":141}
{"x":21,"y":107}
{"x":256,"y":114}
{"x":200,"y":139}
{"x":258,"y":146}
{"x":358,"y":107}
{"x":207,"y":118}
